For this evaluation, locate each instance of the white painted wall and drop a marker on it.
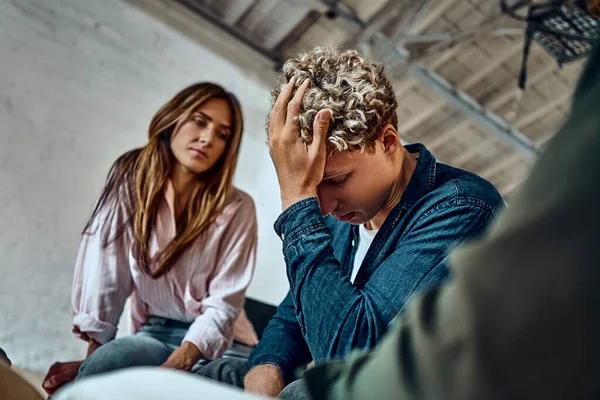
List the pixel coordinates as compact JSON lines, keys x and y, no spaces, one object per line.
{"x":79,"y":82}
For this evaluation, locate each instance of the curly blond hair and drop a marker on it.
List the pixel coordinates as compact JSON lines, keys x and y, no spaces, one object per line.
{"x":354,"y":88}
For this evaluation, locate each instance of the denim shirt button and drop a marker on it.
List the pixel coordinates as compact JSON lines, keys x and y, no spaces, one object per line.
{"x":282,"y":236}
{"x":352,"y":242}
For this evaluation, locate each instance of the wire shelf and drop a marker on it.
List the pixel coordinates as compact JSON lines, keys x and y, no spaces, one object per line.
{"x":567,"y":33}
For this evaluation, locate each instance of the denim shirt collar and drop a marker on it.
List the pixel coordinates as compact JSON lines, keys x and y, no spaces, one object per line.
{"x":421,"y":182}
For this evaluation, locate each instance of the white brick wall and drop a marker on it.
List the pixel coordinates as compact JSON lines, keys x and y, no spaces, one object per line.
{"x":79,"y":82}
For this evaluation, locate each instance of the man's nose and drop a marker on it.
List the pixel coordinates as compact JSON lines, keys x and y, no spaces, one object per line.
{"x":326,"y":203}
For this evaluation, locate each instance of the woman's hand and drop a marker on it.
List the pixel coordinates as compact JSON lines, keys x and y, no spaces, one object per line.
{"x":184,"y":357}
{"x":65,"y":372}
{"x":59,"y":374}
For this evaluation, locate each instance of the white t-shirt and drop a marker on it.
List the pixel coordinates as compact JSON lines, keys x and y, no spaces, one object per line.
{"x":366,"y":237}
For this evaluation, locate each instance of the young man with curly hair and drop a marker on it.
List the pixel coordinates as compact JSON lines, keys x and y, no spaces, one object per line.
{"x":366,"y":222}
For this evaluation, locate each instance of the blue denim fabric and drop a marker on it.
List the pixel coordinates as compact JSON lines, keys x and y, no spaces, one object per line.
{"x":325,"y":315}
{"x":150,"y":346}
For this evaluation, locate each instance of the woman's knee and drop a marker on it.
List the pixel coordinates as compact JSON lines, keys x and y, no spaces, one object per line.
{"x":125,"y":352}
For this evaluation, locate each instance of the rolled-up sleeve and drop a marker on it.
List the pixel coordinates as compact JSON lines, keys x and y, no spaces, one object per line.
{"x":102,"y":281}
{"x":212,"y":330}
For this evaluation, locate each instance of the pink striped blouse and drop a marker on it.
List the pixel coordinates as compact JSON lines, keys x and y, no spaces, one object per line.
{"x":206,"y":287}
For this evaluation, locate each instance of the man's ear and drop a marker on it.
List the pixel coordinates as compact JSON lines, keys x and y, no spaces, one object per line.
{"x":390,"y":139}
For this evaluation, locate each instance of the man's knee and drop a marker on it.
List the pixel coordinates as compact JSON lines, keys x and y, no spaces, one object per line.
{"x":125,"y":352}
{"x":294,"y":391}
{"x":230,"y":370}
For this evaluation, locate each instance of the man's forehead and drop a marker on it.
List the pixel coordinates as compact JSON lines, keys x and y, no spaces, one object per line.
{"x":331,"y":172}
{"x":338,"y":164}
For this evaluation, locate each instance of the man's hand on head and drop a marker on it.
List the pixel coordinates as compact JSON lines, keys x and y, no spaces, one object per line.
{"x":300,"y":166}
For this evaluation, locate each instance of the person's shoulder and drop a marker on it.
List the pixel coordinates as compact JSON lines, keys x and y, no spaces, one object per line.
{"x":467,"y":188}
{"x":240,"y":204}
{"x":238,"y":196}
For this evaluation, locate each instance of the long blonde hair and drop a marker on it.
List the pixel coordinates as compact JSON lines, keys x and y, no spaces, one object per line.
{"x":141,"y":176}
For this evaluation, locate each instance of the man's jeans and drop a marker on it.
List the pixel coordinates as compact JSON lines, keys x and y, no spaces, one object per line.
{"x":231,"y":370}
{"x":150,"y":346}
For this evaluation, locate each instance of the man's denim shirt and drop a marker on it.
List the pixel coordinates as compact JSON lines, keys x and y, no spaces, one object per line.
{"x":325,"y":315}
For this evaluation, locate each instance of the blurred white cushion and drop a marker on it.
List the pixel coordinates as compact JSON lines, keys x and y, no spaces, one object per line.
{"x":150,"y":383}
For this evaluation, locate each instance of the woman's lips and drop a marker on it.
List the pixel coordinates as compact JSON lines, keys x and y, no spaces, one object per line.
{"x":199,"y":153}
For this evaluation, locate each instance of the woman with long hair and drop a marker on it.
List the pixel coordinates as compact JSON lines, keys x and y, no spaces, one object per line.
{"x":171,"y":232}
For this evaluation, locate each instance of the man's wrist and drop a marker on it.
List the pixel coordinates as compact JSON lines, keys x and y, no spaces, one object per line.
{"x":297,"y":218}
{"x":272,"y":370}
{"x":268,"y":366}
{"x":287,"y":200}
{"x":265,"y":380}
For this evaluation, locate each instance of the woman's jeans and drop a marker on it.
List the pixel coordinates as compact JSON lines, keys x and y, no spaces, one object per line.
{"x":150,"y":346}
